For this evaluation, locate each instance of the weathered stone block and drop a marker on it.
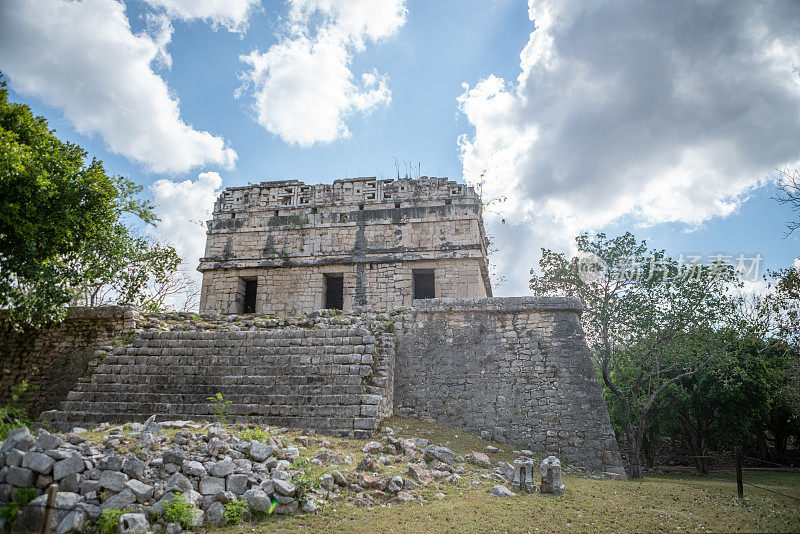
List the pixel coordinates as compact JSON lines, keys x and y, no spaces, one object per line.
{"x":37,"y":461}
{"x":20,"y":477}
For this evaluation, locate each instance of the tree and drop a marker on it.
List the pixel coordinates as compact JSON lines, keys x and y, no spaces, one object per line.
{"x":726,"y":400}
{"x":124,"y":268}
{"x":648,"y":318}
{"x":789,"y":194}
{"x":782,"y":305}
{"x":60,"y":214}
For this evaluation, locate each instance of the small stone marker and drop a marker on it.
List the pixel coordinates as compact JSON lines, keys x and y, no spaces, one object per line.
{"x":523,"y":475}
{"x":551,"y":476}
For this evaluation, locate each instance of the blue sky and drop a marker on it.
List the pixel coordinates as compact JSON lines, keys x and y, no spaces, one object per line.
{"x":617,"y":116}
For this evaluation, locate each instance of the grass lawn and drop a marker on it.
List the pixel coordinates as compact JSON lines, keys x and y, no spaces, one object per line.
{"x":656,"y":503}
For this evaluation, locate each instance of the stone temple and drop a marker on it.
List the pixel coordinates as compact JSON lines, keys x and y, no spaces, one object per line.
{"x":331,"y":308}
{"x":288,"y":248}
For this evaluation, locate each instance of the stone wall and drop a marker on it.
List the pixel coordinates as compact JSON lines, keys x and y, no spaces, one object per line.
{"x":293,"y":290}
{"x":54,"y":359}
{"x":516,"y":369}
{"x":326,"y":373}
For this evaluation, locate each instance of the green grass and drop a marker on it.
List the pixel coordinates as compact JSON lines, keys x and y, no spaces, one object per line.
{"x":656,"y":503}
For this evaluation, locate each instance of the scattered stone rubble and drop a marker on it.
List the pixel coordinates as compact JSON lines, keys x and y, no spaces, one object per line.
{"x":141,"y":468}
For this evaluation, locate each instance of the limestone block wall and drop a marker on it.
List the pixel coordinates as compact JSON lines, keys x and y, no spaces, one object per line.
{"x":287,"y":234}
{"x":53,"y":359}
{"x":515,"y":368}
{"x":329,"y":375}
{"x":301,"y":289}
{"x":316,"y":234}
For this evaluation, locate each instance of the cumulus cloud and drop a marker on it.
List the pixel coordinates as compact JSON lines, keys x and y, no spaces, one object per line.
{"x":302,"y":87}
{"x":83,"y":58}
{"x":183,"y":207}
{"x":656,"y":111}
{"x":229,"y":14}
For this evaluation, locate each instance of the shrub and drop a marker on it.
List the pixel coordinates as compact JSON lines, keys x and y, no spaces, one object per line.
{"x":19,"y":500}
{"x":304,"y":480}
{"x":219,"y":407}
{"x":180,"y":511}
{"x":108,"y":522}
{"x":12,"y":415}
{"x":257,"y":433}
{"x":235,"y":512}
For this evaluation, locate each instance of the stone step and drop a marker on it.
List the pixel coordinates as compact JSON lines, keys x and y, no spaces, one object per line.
{"x":328,"y":354}
{"x":281,"y":334}
{"x":319,"y":378}
{"x":307,"y":402}
{"x":319,"y":365}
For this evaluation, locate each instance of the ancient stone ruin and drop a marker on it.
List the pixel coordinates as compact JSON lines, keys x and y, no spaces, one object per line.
{"x":289,"y":248}
{"x":523,"y":475}
{"x":332,"y":307}
{"x":551,"y":476}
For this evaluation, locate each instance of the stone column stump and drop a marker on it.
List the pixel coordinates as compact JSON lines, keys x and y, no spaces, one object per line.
{"x":551,"y":476}
{"x":523,"y":475}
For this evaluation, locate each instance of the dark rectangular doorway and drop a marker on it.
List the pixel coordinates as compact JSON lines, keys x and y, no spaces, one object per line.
{"x":250,"y":291}
{"x":334,"y":292}
{"x":424,"y":284}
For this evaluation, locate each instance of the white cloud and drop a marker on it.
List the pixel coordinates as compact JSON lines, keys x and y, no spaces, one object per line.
{"x":656,"y":111}
{"x":83,"y":58}
{"x":183,"y":208}
{"x":229,"y":14}
{"x":303,"y":87}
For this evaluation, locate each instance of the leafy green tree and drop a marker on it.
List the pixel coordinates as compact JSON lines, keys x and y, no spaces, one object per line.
{"x":783,"y":305}
{"x":124,"y":268}
{"x":782,"y":419}
{"x":61,"y":221}
{"x":748,"y":396}
{"x":647,"y":319}
{"x":723,"y":403}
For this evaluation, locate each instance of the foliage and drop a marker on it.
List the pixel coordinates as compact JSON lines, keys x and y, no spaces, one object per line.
{"x":180,"y":511}
{"x":219,"y":407}
{"x":20,"y":498}
{"x":108,"y":522}
{"x":254,"y":433}
{"x":666,"y":503}
{"x":783,"y":305}
{"x":60,"y":219}
{"x":12,"y":415}
{"x":52,"y":202}
{"x":650,"y":319}
{"x":723,"y":403}
{"x":235,"y":512}
{"x":304,"y":479}
{"x":125,"y":269}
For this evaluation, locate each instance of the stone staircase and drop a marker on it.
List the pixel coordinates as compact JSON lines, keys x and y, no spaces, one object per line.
{"x":328,"y":379}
